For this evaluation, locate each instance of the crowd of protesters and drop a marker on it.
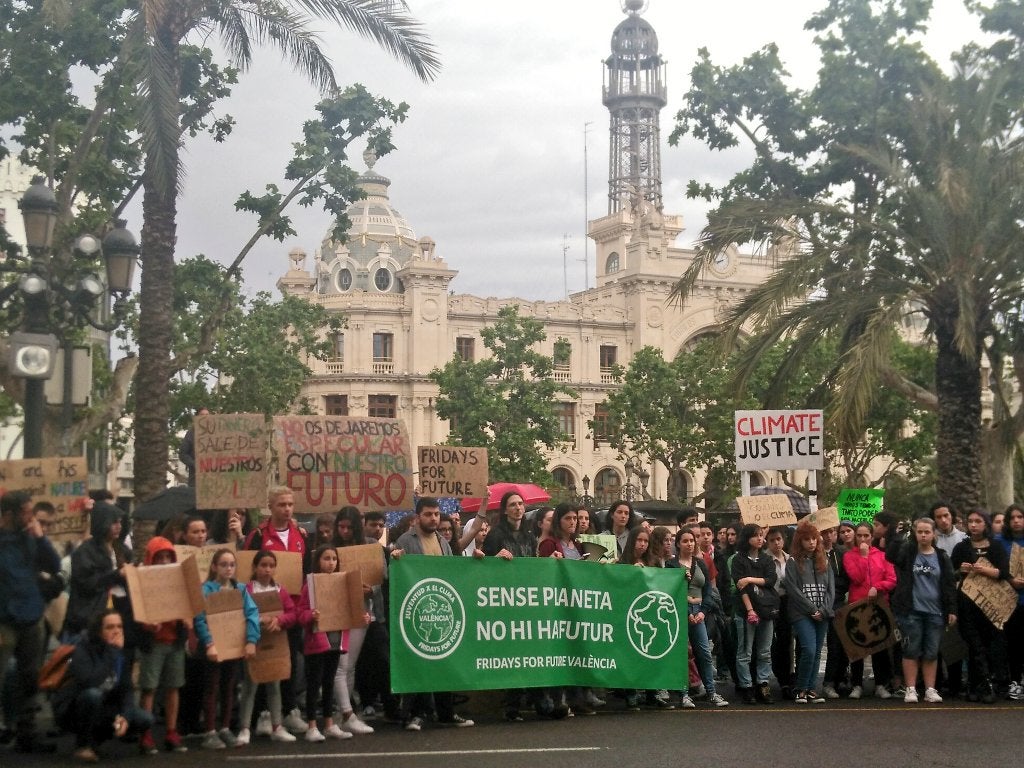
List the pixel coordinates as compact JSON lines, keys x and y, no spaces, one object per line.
{"x":760,"y":610}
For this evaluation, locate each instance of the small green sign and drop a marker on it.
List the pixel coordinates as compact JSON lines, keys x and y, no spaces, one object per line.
{"x":465,"y":624}
{"x":859,"y":505}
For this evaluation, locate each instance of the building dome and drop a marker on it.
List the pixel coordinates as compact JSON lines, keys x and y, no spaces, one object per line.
{"x":634,"y":38}
{"x":380,"y":242}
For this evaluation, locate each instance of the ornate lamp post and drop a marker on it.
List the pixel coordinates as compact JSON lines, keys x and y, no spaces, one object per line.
{"x":33,"y":350}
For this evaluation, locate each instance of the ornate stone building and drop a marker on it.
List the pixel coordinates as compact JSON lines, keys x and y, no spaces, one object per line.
{"x":404,"y":318}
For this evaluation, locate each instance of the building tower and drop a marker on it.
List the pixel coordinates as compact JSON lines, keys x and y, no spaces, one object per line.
{"x":634,"y":92}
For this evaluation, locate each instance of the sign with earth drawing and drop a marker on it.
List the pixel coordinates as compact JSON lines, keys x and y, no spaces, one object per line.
{"x":465,"y":624}
{"x":865,"y":627}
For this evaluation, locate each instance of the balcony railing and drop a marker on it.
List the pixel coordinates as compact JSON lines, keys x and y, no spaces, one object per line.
{"x":607,"y":375}
{"x":336,"y":365}
{"x":381,"y":366}
{"x":561,"y":374}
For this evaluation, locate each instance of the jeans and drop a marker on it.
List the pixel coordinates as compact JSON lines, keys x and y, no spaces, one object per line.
{"x":91,"y":718}
{"x":702,"y":655}
{"x":753,"y":641}
{"x":810,"y":635}
{"x":26,"y":643}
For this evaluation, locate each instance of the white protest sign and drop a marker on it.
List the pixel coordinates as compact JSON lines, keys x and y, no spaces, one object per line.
{"x":779,"y":440}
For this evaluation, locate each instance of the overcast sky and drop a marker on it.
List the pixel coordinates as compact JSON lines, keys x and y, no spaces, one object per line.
{"x":490,"y":161}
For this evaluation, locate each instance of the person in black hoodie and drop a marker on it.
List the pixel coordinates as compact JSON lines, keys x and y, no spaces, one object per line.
{"x":99,"y":702}
{"x":97,"y":570}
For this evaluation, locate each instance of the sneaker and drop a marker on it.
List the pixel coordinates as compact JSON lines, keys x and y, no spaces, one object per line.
{"x":583,"y":709}
{"x":686,"y":702}
{"x":172,"y":742}
{"x":369,"y":713}
{"x":227,"y":737}
{"x":313,"y":735}
{"x":764,"y":693}
{"x":932,"y":696}
{"x":856,"y":691}
{"x":294,"y":722}
{"x":264,"y":725}
{"x":512,"y":715}
{"x":147,"y":746}
{"x":243,"y":738}
{"x":830,"y":692}
{"x":900,"y":691}
{"x":86,"y":755}
{"x":801,"y":697}
{"x":355,"y":726}
{"x":814,"y":698}
{"x":593,"y":700}
{"x":1016,"y":692}
{"x":280,"y":734}
{"x":718,"y":700}
{"x":458,"y":721}
{"x":416,"y":724}
{"x":334,"y":732}
{"x":910,"y":697}
{"x":633,"y":703}
{"x":212,"y":741}
{"x":882,"y":692}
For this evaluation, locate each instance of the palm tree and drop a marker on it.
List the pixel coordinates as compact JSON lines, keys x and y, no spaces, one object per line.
{"x":159,"y":29}
{"x":941,"y":240}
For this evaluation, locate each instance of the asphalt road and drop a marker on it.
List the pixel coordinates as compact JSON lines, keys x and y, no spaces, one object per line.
{"x":836,"y":734}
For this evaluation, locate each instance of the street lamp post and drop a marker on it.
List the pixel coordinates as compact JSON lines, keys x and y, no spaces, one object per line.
{"x":634,"y":466}
{"x":33,"y":349}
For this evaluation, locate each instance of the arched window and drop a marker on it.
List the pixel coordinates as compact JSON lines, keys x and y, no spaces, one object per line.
{"x":611,"y":266}
{"x":607,"y":486}
{"x":344,"y":279}
{"x":382,"y":279}
{"x":563,"y":478}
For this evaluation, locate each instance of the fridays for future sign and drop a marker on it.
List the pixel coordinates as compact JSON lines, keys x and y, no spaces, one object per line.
{"x":779,"y":440}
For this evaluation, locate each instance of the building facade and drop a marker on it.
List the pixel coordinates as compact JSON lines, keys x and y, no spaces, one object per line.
{"x":405,"y":318}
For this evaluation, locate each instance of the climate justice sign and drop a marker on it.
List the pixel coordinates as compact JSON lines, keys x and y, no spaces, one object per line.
{"x":332,"y":461}
{"x":779,"y":440}
{"x":458,"y":623}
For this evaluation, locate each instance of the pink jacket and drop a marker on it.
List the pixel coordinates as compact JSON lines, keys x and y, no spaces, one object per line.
{"x":866,"y":572}
{"x":313,"y":641}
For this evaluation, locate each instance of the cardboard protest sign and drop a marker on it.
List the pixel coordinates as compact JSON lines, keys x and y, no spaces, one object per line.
{"x":865,"y":627}
{"x":289,"y":569}
{"x":779,"y":440}
{"x":63,"y":482}
{"x":368,"y":559}
{"x":333,"y":461}
{"x":860,"y":505}
{"x":449,"y":471}
{"x":339,"y":598}
{"x":1017,"y":561}
{"x":231,"y":460}
{"x":226,"y":620}
{"x":825,"y":518}
{"x":202,"y":555}
{"x":160,"y":593}
{"x":773,"y":509}
{"x":273,"y":659}
{"x":996,"y":598}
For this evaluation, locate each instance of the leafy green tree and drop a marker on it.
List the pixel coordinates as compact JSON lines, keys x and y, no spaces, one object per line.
{"x":888,"y":193}
{"x":504,"y":402}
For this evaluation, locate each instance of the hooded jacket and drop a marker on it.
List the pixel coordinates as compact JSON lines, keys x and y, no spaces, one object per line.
{"x":95,"y":569}
{"x":168,"y":632}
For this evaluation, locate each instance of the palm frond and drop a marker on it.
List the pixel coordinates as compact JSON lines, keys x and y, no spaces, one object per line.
{"x":158,"y":112}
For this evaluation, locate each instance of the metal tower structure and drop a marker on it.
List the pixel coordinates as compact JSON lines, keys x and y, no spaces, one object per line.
{"x":634,"y":92}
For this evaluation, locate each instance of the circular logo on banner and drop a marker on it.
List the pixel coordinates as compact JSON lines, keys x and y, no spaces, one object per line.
{"x":432,"y":619}
{"x":652,"y":624}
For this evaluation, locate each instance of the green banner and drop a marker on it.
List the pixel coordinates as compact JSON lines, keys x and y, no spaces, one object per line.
{"x":461,"y":624}
{"x":859,"y":505}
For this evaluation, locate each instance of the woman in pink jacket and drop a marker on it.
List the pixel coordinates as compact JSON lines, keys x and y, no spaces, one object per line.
{"x":871,"y":576}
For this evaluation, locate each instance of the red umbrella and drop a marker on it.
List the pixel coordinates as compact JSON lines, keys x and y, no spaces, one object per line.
{"x":532,"y":494}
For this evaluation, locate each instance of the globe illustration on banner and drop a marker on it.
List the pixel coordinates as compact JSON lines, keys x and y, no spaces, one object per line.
{"x":652,"y":624}
{"x":433,"y":619}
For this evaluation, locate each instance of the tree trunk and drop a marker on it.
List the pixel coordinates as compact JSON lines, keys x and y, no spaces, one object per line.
{"x":997,"y":467}
{"x":958,"y":442}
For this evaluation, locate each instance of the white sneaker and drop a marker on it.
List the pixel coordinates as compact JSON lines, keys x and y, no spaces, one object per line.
{"x":1016,"y":692}
{"x":718,"y":700}
{"x":910,"y":697}
{"x":932,"y":696}
{"x":243,"y":737}
{"x":856,"y":691}
{"x":334,"y":732}
{"x":264,"y":725}
{"x":313,"y":734}
{"x":294,"y":722}
{"x":686,"y":702}
{"x":882,"y":692}
{"x":355,"y":726}
{"x":281,"y":734}
{"x":212,"y":741}
{"x":830,"y":692}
